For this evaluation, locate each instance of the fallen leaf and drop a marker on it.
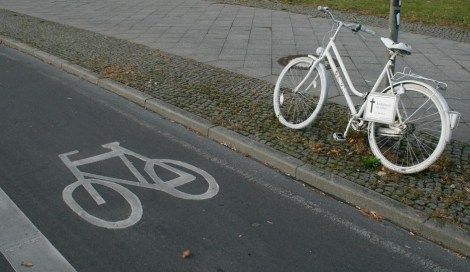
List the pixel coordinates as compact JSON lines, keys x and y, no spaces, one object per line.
{"x":334,"y":152}
{"x":412,"y":234}
{"x":269,"y":222}
{"x":317,"y":149}
{"x":371,"y":214}
{"x":186,"y":254}
{"x":27,"y":264}
{"x":381,"y":173}
{"x":376,"y":216}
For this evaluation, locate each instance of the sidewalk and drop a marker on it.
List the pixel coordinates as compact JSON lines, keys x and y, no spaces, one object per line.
{"x":250,"y":41}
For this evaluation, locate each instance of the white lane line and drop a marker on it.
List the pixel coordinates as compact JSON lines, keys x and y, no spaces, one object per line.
{"x":21,"y":241}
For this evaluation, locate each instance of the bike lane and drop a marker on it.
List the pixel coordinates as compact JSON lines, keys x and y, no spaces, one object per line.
{"x":23,"y":245}
{"x":258,"y":220}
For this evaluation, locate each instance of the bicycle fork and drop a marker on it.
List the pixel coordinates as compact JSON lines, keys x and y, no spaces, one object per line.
{"x":314,"y":81}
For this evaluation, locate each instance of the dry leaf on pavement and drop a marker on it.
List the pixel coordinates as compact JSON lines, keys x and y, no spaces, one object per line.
{"x":376,"y":216}
{"x":186,"y":254}
{"x":371,"y":214}
{"x":27,"y":264}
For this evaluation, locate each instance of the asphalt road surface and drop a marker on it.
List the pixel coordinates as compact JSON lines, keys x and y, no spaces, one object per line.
{"x":92,"y":182}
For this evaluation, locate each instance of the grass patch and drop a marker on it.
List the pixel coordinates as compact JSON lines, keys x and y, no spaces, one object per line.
{"x":453,"y":13}
{"x":371,"y":162}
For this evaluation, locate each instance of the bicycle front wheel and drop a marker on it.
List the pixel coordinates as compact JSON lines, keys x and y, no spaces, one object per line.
{"x":300,"y":92}
{"x":418,"y":137}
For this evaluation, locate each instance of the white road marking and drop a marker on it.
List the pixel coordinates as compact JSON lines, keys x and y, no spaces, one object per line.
{"x":21,"y":241}
{"x":131,"y":198}
{"x":87,"y":180}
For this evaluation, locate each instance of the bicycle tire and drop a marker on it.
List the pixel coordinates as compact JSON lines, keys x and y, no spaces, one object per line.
{"x":423,"y":135}
{"x":297,"y":109}
{"x":131,"y":198}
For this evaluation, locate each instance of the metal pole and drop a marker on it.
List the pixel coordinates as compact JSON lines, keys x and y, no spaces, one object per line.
{"x":393,"y":26}
{"x":394,"y":20}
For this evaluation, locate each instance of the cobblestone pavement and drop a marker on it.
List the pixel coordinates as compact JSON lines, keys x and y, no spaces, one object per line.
{"x":243,"y":104}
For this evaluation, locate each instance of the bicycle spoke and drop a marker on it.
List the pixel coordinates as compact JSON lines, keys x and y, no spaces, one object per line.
{"x":417,"y":140}
{"x":416,"y":111}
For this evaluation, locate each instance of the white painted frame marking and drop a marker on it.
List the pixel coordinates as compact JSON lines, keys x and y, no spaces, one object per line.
{"x":87,"y":180}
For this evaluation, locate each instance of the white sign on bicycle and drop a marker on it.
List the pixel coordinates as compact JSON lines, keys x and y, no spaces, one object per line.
{"x":184,"y":173}
{"x":380,"y":108}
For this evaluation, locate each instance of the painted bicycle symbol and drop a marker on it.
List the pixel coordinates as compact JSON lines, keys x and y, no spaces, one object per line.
{"x":183,"y":172}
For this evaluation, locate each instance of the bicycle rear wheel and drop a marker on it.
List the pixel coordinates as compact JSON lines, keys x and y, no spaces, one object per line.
{"x":300,"y":92}
{"x":184,"y":174}
{"x":414,"y":143}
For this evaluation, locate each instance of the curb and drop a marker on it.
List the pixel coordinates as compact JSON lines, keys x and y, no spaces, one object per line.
{"x":418,"y":222}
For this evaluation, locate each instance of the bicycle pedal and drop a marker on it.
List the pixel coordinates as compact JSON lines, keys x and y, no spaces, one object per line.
{"x":339,"y":137}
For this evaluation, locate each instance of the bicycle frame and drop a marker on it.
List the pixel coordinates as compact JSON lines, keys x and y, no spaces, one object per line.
{"x":326,"y":54}
{"x":408,"y":121}
{"x":387,"y":71}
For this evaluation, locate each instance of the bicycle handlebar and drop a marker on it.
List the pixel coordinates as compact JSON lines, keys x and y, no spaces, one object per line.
{"x":351,"y":26}
{"x":359,"y":27}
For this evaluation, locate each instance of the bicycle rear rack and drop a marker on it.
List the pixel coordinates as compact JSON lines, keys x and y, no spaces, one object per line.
{"x":454,"y":116}
{"x":398,"y":76}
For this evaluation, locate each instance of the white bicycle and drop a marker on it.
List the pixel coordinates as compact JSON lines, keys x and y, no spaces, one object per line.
{"x":408,"y":122}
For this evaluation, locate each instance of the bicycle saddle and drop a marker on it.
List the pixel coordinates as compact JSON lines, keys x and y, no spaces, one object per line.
{"x":401,"y":48}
